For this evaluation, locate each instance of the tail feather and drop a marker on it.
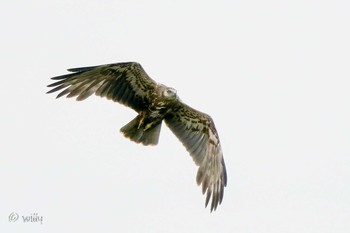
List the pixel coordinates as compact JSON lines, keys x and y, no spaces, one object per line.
{"x":139,"y":134}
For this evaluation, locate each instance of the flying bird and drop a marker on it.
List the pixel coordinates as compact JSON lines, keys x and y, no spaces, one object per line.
{"x":128,"y":83}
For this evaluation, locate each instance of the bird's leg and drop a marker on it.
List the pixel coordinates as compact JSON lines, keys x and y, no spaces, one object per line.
{"x":144,"y":120}
{"x":149,"y":125}
{"x":143,"y":114}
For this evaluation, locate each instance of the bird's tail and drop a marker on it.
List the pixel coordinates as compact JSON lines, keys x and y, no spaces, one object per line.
{"x":140,"y":134}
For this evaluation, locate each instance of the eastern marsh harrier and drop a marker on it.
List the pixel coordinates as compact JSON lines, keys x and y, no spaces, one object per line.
{"x":128,"y":84}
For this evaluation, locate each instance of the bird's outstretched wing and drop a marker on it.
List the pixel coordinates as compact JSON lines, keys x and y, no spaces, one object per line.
{"x":126,"y":83}
{"x":196,"y":131}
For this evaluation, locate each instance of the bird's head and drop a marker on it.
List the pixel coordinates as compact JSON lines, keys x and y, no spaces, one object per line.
{"x":169,"y":93}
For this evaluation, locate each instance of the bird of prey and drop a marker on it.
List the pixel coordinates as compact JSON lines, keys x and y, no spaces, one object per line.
{"x":128,"y":84}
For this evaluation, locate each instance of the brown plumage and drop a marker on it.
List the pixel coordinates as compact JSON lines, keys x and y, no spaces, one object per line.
{"x":128,"y":84}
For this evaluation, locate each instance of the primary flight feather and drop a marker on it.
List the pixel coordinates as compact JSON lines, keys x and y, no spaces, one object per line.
{"x":128,"y":84}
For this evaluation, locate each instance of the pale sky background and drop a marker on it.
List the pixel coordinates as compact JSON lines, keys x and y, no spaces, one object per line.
{"x":274,"y":75}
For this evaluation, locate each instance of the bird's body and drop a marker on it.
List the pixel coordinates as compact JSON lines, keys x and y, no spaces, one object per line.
{"x":145,"y":127}
{"x":128,"y":84}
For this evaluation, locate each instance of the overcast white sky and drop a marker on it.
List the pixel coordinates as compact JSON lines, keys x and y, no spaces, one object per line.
{"x":274,"y":75}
